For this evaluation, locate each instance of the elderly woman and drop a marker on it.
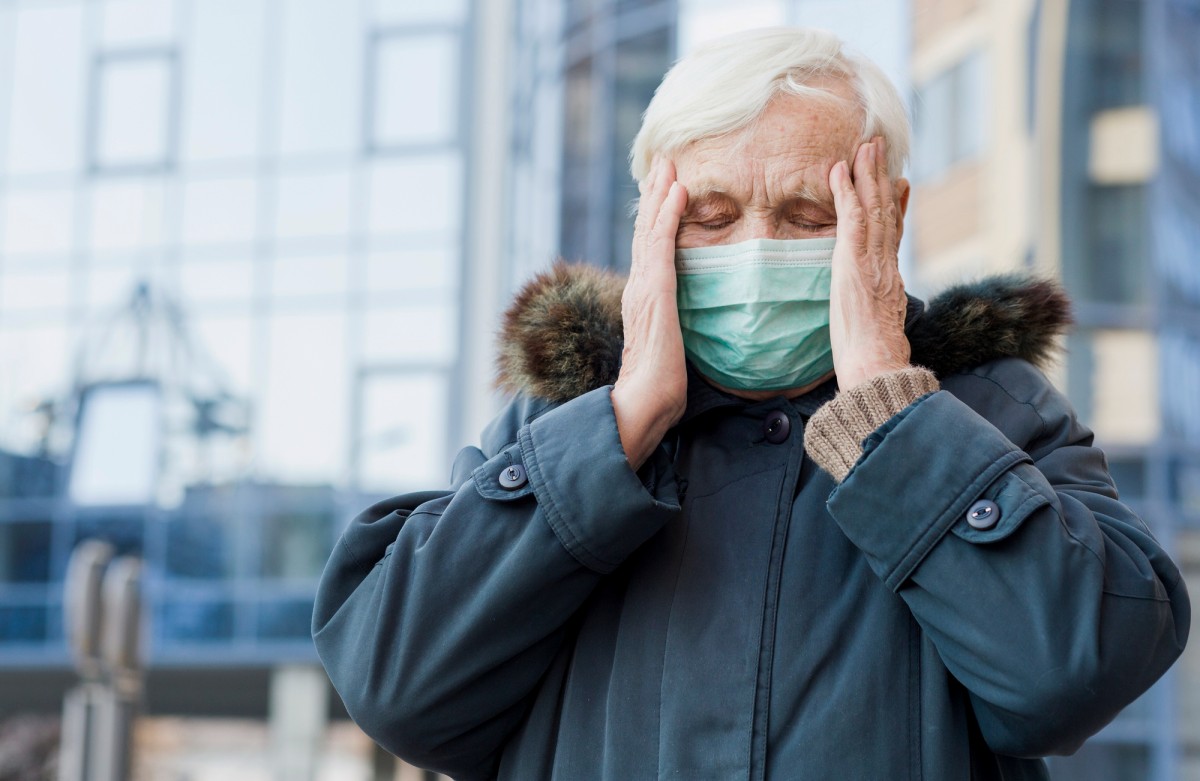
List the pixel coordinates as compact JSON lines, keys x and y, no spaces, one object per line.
{"x":755,"y":513}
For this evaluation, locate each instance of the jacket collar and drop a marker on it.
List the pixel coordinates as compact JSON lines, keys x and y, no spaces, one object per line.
{"x":562,"y":336}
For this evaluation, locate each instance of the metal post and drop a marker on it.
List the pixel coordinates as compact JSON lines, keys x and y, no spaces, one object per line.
{"x":121,"y":649}
{"x":83,"y":612}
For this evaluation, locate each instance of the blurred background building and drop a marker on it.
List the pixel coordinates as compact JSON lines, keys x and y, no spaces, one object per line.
{"x":253,"y":252}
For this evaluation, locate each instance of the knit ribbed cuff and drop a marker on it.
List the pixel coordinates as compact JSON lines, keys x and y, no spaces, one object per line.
{"x":835,"y":433}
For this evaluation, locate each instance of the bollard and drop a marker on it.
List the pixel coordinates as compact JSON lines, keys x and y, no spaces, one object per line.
{"x":121,"y":654}
{"x":83,"y":616}
{"x":103,"y":615}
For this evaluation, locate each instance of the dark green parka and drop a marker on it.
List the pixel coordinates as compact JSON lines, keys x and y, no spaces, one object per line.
{"x":728,"y":612}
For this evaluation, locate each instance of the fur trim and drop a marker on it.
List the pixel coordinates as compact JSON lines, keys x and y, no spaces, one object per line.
{"x":562,"y":335}
{"x":1007,"y":316}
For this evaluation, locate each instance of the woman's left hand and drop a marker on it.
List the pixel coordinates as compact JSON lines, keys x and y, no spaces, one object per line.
{"x":867,"y":302}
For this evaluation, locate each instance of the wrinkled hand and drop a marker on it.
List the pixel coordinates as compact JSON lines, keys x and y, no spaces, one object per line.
{"x":650,"y":393}
{"x":867,"y":302}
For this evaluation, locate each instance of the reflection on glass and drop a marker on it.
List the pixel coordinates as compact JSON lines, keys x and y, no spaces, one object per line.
{"x":1117,"y":234}
{"x":45,"y":111}
{"x":199,"y":546}
{"x":216,"y":281}
{"x":285,"y":619}
{"x":401,"y":447}
{"x":416,"y":195}
{"x":409,"y":12}
{"x":427,"y":333}
{"x":321,"y":73}
{"x":296,"y":543}
{"x":196,"y":619}
{"x":641,"y":63}
{"x":45,"y":292}
{"x":220,"y":210}
{"x":37,"y":220}
{"x":133,"y":114}
{"x":125,"y":214}
{"x":1112,"y":37}
{"x":22,"y":623}
{"x":116,"y":456}
{"x":313,"y":204}
{"x":415,"y":101}
{"x":25,"y":552}
{"x":223,"y":79}
{"x":125,"y":22}
{"x":579,"y":148}
{"x":320,"y":279}
{"x":411,"y":270}
{"x":301,"y":428}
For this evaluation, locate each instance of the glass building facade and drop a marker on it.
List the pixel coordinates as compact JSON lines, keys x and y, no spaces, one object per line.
{"x":232,"y":250}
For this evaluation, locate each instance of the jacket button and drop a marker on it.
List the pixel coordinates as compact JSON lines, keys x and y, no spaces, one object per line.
{"x":513,"y":477}
{"x":983,"y":515}
{"x":776,"y":427}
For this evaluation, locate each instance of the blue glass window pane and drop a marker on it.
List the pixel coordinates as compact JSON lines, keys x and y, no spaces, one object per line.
{"x":1117,"y":237}
{"x":194,"y":620}
{"x":25,"y":552}
{"x":285,"y":619}
{"x":23,"y":623}
{"x":198,"y":547}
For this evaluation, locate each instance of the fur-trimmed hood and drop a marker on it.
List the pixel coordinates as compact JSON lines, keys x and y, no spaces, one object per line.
{"x":562,"y":335}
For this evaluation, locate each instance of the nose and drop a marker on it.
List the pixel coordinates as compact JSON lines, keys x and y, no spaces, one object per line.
{"x":754,"y":226}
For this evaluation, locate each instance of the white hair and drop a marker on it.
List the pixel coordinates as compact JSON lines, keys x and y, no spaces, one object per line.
{"x":725,"y":84}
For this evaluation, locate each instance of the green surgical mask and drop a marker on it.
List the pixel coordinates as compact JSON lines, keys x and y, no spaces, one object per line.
{"x":755,"y":315}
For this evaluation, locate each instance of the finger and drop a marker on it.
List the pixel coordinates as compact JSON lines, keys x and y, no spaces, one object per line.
{"x":667,"y":223}
{"x":644,"y":217}
{"x":886,"y":196}
{"x":846,"y":205}
{"x":651,"y":202}
{"x":866,"y":183}
{"x":659,"y":248}
{"x":885,"y":176}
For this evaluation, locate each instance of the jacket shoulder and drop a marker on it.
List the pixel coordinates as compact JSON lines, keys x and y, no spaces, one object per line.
{"x":1020,"y":400}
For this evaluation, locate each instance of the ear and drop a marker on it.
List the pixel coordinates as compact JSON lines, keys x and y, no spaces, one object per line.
{"x":901,"y":190}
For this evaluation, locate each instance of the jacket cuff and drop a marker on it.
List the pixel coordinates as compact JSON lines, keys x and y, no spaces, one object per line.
{"x":835,"y":433}
{"x":599,"y":508}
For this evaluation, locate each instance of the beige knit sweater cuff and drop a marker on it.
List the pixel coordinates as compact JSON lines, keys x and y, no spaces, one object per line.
{"x":835,"y":433}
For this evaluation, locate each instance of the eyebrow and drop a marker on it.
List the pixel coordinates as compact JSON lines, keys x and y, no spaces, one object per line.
{"x":703,"y":192}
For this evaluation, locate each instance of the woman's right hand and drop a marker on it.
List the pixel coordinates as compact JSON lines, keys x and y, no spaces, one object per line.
{"x":650,"y":393}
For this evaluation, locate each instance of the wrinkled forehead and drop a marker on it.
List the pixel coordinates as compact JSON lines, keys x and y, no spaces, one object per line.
{"x":790,"y":147}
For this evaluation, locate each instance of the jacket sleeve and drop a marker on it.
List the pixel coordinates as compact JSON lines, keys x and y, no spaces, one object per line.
{"x":1055,"y":617}
{"x":438,"y":613}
